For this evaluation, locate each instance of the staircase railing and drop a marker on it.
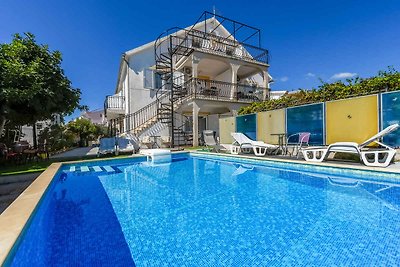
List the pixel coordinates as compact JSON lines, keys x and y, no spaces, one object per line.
{"x":145,"y":114}
{"x":175,"y":44}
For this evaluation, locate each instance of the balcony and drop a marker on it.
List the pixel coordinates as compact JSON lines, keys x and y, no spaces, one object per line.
{"x":218,"y":45}
{"x":223,"y":91}
{"x":114,"y":105}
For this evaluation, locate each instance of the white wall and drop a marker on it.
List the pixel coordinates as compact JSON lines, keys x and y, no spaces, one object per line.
{"x":138,"y":96}
{"x":213,"y":123}
{"x":225,"y":77}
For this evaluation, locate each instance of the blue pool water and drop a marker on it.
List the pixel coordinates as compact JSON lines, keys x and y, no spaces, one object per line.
{"x":212,"y":211}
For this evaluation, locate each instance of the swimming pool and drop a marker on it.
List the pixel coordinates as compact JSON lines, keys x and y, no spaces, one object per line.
{"x":203,"y":210}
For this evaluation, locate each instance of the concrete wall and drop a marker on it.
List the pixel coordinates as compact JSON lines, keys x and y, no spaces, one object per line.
{"x":270,"y":122}
{"x":226,"y":127}
{"x":138,"y":95}
{"x":351,"y":120}
{"x":347,"y":120}
{"x":213,"y":123}
{"x":225,"y":76}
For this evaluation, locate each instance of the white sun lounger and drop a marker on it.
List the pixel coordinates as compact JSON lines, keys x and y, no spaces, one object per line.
{"x":107,"y":145}
{"x":246,"y":145}
{"x":373,"y":157}
{"x":126,"y":145}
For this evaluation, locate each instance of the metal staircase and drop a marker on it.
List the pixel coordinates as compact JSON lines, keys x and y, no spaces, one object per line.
{"x":171,"y":49}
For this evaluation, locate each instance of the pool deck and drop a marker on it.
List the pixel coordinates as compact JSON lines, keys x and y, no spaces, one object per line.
{"x":17,"y":215}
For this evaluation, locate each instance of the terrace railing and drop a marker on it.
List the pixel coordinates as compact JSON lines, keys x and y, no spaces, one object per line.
{"x":217,"y":90}
{"x":115,"y":102}
{"x":211,"y":43}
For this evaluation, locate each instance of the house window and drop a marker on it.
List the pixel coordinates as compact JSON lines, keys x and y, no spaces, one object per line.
{"x":152,"y":79}
{"x":148,"y":79}
{"x":157,"y":80}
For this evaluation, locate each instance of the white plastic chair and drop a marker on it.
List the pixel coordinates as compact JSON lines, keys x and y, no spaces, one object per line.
{"x":166,"y":141}
{"x":146,"y":141}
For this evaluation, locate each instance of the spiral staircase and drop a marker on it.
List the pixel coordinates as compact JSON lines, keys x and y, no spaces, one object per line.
{"x":171,"y":48}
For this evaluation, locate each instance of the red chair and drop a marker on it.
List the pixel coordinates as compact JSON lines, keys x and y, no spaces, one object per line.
{"x":7,"y":153}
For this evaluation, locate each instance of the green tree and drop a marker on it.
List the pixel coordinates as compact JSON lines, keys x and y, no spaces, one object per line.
{"x":57,"y":137}
{"x":33,"y":85}
{"x":84,"y":129}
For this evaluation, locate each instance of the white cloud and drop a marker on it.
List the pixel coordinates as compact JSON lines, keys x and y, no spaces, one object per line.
{"x":284,"y":79}
{"x":310,"y":74}
{"x":343,"y":75}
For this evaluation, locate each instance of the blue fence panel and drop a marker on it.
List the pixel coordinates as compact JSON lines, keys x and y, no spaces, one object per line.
{"x":391,"y":115}
{"x":247,"y":124}
{"x":309,"y":118}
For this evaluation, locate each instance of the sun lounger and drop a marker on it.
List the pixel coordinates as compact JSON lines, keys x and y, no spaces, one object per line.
{"x":210,"y":142}
{"x":246,"y":145}
{"x":374,"y":157}
{"x":107,"y":145}
{"x":126,"y":145}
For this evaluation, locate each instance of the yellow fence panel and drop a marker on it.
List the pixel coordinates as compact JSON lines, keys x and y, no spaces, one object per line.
{"x":351,"y":120}
{"x":226,"y":127}
{"x":270,"y":122}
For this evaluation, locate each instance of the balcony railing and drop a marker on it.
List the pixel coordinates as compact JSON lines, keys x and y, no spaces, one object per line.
{"x":214,"y":44}
{"x":115,"y":102}
{"x":216,"y":90}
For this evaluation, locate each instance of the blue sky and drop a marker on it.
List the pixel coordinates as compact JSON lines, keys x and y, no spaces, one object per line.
{"x":308,"y":40}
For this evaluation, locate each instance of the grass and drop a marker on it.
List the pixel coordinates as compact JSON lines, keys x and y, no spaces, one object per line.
{"x":31,"y":167}
{"x":194,"y":148}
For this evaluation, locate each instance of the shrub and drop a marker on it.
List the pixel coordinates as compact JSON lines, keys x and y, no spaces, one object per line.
{"x":388,"y":80}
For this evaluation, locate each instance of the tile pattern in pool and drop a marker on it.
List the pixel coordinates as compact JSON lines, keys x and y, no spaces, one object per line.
{"x":203,"y":211}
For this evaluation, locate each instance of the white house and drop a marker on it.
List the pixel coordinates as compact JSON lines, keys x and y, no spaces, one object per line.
{"x":26,"y":132}
{"x":95,"y":116}
{"x":277,"y":94}
{"x":181,"y":83}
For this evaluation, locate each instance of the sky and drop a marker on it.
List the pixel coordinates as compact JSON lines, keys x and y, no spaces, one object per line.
{"x":308,"y":40}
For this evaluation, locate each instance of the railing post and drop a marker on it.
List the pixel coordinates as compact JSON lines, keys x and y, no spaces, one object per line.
{"x":193,"y":87}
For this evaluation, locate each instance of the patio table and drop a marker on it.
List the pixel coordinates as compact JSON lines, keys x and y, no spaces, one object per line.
{"x":155,"y":140}
{"x":281,"y":143}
